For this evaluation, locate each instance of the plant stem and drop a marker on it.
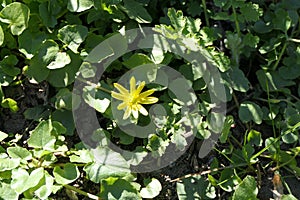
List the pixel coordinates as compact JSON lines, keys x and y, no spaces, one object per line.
{"x":91,"y":196}
{"x":237,"y":25}
{"x":205,"y":12}
{"x":280,"y":56}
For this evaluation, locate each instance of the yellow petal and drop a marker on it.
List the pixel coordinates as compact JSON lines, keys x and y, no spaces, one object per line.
{"x":121,"y":88}
{"x":142,"y":110}
{"x":127,"y":113}
{"x":146,"y":93}
{"x":140,"y":87}
{"x":121,"y":106}
{"x":135,"y":111}
{"x":132,"y":85}
{"x":148,"y":100}
{"x":118,"y":95}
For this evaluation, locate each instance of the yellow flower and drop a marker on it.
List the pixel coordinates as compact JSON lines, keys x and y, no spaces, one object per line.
{"x":133,"y":99}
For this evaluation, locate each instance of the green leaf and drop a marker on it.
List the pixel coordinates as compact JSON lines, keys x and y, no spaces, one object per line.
{"x":195,"y":187}
{"x":7,"y":65}
{"x":3,"y":136}
{"x":63,"y":99}
{"x":99,"y":103}
{"x":281,"y":21}
{"x":251,"y":11}
{"x":262,"y":27}
{"x":290,"y":137}
{"x":251,"y":40}
{"x":136,"y":11}
{"x":22,"y":181}
{"x":246,"y":189}
{"x":41,"y":136}
{"x":19,"y":152}
{"x":82,"y":156}
{"x":1,"y":35}
{"x":115,"y":189}
{"x":45,"y":186}
{"x":50,"y":10}
{"x":250,"y":111}
{"x":66,"y":175}
{"x":178,"y":139}
{"x":6,"y":192}
{"x":72,"y":35}
{"x":124,"y":138}
{"x":8,"y":164}
{"x":66,"y":118}
{"x":79,"y":6}
{"x":137,"y":60}
{"x":16,"y":15}
{"x":152,"y":188}
{"x":156,"y":145}
{"x":61,"y":60}
{"x":36,"y":113}
{"x":254,"y":137}
{"x":11,"y":104}
{"x":273,"y":80}
{"x":38,"y":64}
{"x":229,"y":121}
{"x":65,"y":76}
{"x":109,"y":163}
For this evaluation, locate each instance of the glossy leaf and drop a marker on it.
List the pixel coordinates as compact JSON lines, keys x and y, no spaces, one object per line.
{"x":68,"y":174}
{"x":22,"y":181}
{"x":73,"y":36}
{"x":195,"y":187}
{"x":151,"y":189}
{"x":246,"y":189}
{"x":41,"y":136}
{"x":136,"y":11}
{"x":250,"y":111}
{"x":16,"y":15}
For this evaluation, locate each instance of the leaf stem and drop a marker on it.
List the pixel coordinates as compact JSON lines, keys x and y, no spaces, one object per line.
{"x":205,"y":12}
{"x":237,"y":25}
{"x":280,"y":56}
{"x":89,"y":195}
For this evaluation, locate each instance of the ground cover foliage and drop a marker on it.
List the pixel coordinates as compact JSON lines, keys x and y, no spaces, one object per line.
{"x":254,"y":46}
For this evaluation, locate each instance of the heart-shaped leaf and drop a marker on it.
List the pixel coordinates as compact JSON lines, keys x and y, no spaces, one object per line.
{"x":17,"y":16}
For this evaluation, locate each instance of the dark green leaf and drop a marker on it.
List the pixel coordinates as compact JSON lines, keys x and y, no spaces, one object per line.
{"x":250,"y":111}
{"x":195,"y":187}
{"x":136,"y":11}
{"x":254,"y":137}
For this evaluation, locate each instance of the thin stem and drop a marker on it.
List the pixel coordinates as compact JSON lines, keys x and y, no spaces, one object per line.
{"x":91,"y":196}
{"x":205,"y":12}
{"x":280,"y":56}
{"x":237,"y":25}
